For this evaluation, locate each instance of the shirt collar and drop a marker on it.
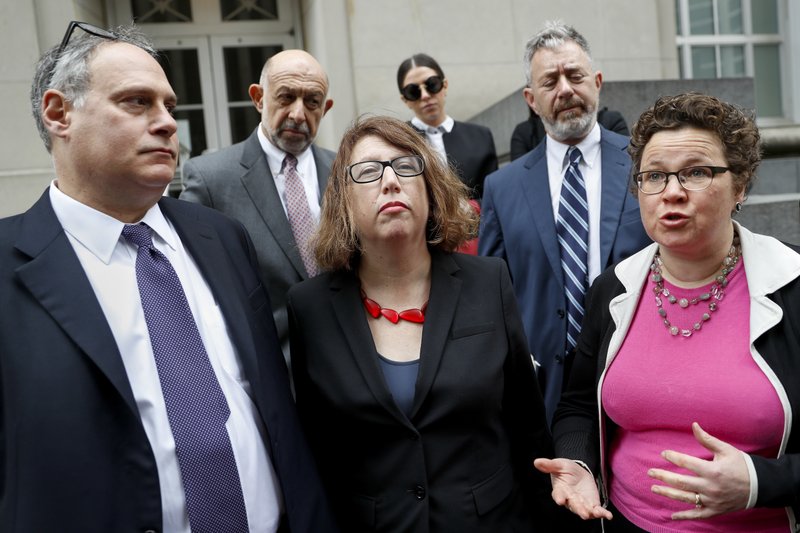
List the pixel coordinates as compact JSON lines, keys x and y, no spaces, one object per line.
{"x":447,"y":124}
{"x":275,"y":155}
{"x":589,"y":147}
{"x":98,"y":232}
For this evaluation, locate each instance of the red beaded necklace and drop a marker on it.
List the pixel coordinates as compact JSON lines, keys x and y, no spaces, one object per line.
{"x":411,"y":315}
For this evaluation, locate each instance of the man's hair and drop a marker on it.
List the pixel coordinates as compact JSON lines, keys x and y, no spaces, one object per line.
{"x":68,"y":71}
{"x":554,"y":34}
{"x":417,"y":60}
{"x":734,"y":127}
{"x":451,"y":220}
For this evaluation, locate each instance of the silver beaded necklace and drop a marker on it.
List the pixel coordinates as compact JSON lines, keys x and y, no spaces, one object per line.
{"x":714,"y":295}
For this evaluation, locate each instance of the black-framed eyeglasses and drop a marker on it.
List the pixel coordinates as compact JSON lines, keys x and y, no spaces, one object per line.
{"x":88,"y":28}
{"x":690,"y":178}
{"x":405,"y":166}
{"x":412,"y":92}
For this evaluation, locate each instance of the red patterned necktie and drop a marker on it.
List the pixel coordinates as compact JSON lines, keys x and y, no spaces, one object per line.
{"x":299,"y":214}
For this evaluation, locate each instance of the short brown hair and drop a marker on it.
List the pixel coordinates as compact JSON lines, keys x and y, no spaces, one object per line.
{"x":451,"y":221}
{"x":734,"y":127}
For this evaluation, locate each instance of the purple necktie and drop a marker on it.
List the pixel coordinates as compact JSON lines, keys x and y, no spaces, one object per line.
{"x":196,"y":407}
{"x":299,"y":214}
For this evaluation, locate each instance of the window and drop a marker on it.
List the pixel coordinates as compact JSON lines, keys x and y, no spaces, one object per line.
{"x":734,"y":38}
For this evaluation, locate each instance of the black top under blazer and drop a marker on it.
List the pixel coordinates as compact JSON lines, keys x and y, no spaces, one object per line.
{"x":462,"y":460}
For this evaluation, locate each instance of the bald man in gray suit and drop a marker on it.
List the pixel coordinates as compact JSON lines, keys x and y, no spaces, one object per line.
{"x":247,"y":180}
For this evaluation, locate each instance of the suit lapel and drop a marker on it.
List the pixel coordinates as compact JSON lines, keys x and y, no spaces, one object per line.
{"x":345,"y":297}
{"x":260,"y":186}
{"x":54,"y":276}
{"x":536,"y":187}
{"x":445,"y":292}
{"x":323,"y":162}
{"x":212,"y":258}
{"x":615,"y":162}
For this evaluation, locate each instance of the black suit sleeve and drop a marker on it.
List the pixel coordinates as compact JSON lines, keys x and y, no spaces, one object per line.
{"x":613,"y":120}
{"x":521,"y":139}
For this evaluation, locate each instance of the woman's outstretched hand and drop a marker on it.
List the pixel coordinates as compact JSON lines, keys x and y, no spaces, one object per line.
{"x":573,"y":488}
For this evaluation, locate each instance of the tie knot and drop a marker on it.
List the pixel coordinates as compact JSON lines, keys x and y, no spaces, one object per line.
{"x":574,"y":155}
{"x":139,"y":234}
{"x":289,"y":162}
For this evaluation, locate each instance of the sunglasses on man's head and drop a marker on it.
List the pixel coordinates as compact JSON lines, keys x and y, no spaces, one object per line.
{"x":412,"y":92}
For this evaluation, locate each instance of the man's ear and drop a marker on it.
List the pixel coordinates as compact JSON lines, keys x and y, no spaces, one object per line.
{"x":55,"y":112}
{"x":256,"y":93}
{"x":527,"y":93}
{"x":328,"y":106}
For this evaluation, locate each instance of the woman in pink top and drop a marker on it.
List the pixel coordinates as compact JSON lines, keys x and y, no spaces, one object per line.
{"x":687,"y":373}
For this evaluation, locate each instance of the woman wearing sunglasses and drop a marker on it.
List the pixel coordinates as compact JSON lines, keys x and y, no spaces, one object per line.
{"x":469,"y":148}
{"x":413,"y":376}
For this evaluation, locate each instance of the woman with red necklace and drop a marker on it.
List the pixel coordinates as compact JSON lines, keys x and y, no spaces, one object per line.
{"x":410,"y":363}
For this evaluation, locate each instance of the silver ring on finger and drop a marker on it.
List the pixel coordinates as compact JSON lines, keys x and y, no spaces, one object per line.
{"x":698,"y":502}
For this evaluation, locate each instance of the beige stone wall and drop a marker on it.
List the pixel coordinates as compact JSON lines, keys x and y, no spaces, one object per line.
{"x":480,"y":44}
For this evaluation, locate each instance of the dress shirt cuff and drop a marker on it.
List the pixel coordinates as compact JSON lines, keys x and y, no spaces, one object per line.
{"x":751,"y":470}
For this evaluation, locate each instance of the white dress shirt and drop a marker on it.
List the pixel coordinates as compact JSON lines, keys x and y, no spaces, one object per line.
{"x":435,"y":134}
{"x":110,"y":264}
{"x":591,"y":169}
{"x":306,"y":169}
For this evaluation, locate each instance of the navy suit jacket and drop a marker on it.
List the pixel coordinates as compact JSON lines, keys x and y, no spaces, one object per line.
{"x":518,"y":224}
{"x":74,"y":455}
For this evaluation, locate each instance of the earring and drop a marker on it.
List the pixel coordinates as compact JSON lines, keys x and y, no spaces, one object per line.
{"x":738,"y":207}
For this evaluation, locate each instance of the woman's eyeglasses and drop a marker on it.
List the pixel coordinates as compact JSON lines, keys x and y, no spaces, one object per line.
{"x":413,"y":92}
{"x":405,"y":166}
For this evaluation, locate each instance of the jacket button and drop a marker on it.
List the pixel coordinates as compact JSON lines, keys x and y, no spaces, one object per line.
{"x":561,"y":313}
{"x":559,"y":358}
{"x":419,"y":492}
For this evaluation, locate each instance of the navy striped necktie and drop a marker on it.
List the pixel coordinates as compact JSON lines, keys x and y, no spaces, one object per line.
{"x":196,"y":406}
{"x":573,"y":238}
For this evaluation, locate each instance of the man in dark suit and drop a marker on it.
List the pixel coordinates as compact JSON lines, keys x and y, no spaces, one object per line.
{"x":98,"y":430}
{"x":248,"y":181}
{"x":557,"y":239}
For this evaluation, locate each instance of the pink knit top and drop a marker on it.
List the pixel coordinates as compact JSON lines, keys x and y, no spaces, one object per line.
{"x":659,"y":384}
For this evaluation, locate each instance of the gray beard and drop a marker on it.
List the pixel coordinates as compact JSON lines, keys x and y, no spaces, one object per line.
{"x":571,"y":128}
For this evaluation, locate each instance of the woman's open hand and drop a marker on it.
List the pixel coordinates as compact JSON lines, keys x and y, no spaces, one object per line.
{"x":573,"y":487}
{"x":719,"y":486}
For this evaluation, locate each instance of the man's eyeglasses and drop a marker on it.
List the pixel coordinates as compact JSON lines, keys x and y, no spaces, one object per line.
{"x":88,"y":28}
{"x":405,"y":166}
{"x":412,"y":92}
{"x":690,"y":178}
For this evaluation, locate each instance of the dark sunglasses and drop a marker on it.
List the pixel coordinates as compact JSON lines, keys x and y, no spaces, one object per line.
{"x":88,"y":28}
{"x":412,"y":92}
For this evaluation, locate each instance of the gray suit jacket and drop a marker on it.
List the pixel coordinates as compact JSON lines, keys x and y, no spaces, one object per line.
{"x":238,"y":182}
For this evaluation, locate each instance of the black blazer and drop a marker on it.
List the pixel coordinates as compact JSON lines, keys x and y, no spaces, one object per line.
{"x":74,"y":455}
{"x":462,"y":460}
{"x":470,"y":151}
